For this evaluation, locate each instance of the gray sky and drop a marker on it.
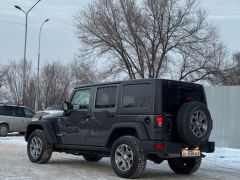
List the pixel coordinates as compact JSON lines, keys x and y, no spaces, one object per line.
{"x":58,"y":40}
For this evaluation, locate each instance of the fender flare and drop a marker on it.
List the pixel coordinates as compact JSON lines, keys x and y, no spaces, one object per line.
{"x":138,"y":126}
{"x":46,"y":126}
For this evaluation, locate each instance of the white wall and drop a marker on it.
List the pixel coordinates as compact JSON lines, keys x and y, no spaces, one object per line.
{"x":224,"y":106}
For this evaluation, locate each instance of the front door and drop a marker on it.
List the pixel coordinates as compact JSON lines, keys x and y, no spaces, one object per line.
{"x":75,"y":125}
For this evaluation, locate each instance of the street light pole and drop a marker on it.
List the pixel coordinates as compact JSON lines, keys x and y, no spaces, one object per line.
{"x":39,"y":48}
{"x":25,"y":48}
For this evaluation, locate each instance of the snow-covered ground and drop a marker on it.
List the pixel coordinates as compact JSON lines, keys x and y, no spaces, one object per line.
{"x":230,"y":157}
{"x":13,"y":138}
{"x":223,"y":164}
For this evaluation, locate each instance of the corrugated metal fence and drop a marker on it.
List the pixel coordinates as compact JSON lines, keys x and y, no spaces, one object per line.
{"x":224,"y":106}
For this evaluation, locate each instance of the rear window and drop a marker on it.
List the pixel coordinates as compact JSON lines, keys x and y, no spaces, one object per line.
{"x":175,"y":95}
{"x":138,"y":95}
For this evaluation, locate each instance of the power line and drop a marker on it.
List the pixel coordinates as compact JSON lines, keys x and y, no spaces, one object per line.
{"x":10,"y":22}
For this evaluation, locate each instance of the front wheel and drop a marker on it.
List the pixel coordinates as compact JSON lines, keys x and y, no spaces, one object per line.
{"x":127,"y":157}
{"x":185,"y":165}
{"x":39,"y":149}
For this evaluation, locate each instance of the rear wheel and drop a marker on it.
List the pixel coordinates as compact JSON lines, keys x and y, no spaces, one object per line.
{"x":39,"y":149}
{"x":92,"y":158}
{"x":127,"y":157}
{"x":185,"y":165}
{"x":3,"y":130}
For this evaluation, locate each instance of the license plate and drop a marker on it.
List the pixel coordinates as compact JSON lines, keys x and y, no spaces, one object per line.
{"x":191,"y":153}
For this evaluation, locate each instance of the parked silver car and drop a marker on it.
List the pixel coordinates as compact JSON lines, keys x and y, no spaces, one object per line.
{"x":14,"y":118}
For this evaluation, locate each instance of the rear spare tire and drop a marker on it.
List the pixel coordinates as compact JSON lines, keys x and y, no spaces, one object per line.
{"x":194,"y":123}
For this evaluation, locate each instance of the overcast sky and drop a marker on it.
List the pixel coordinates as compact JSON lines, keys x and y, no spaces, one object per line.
{"x":58,"y":40}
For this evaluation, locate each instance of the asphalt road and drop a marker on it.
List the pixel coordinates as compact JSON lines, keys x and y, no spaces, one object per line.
{"x":14,"y":164}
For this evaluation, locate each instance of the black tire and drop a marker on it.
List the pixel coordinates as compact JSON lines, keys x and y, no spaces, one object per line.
{"x":39,"y":149}
{"x":185,"y":165}
{"x":192,"y":128}
{"x":132,"y":157}
{"x":92,"y":158}
{"x":3,"y":130}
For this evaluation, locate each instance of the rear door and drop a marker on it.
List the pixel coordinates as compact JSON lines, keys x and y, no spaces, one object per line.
{"x":104,"y":114}
{"x":14,"y":118}
{"x":6,"y":116}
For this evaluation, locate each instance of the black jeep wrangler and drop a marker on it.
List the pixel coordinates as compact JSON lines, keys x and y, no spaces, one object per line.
{"x":130,"y":121}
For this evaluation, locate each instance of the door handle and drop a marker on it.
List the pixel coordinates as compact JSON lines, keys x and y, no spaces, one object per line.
{"x":109,"y":115}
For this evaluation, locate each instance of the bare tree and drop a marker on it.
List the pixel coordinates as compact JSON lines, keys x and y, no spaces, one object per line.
{"x":83,"y":72}
{"x":13,"y":80}
{"x":3,"y":93}
{"x":3,"y":72}
{"x":55,"y":84}
{"x":232,"y":75}
{"x":152,"y":38}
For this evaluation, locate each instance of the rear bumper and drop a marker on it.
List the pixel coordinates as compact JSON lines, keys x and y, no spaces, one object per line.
{"x":167,"y":149}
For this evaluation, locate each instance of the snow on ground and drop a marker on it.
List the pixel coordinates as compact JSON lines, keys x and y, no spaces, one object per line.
{"x":223,"y":164}
{"x":224,"y":156}
{"x":229,"y":157}
{"x":13,"y":138}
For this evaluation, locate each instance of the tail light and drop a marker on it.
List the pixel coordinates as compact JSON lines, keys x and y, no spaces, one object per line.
{"x":159,"y":121}
{"x":159,"y":146}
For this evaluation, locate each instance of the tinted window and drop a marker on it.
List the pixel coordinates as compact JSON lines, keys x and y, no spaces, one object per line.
{"x":11,"y":111}
{"x":28,"y":113}
{"x":81,"y":99}
{"x":4,"y":110}
{"x":138,"y":95}
{"x":175,"y":95}
{"x":106,"y":97}
{"x":17,"y":111}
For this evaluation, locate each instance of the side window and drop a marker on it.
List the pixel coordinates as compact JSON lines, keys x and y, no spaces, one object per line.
{"x":81,"y":99}
{"x":10,"y":111}
{"x":4,"y":111}
{"x":28,"y":113}
{"x":18,"y":112}
{"x":106,"y":97}
{"x":138,"y":95}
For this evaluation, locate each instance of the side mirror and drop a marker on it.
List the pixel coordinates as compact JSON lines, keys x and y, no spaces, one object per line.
{"x":65,"y":106}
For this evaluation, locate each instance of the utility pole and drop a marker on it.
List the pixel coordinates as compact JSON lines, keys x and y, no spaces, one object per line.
{"x":25,"y":48}
{"x":38,"y":68}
